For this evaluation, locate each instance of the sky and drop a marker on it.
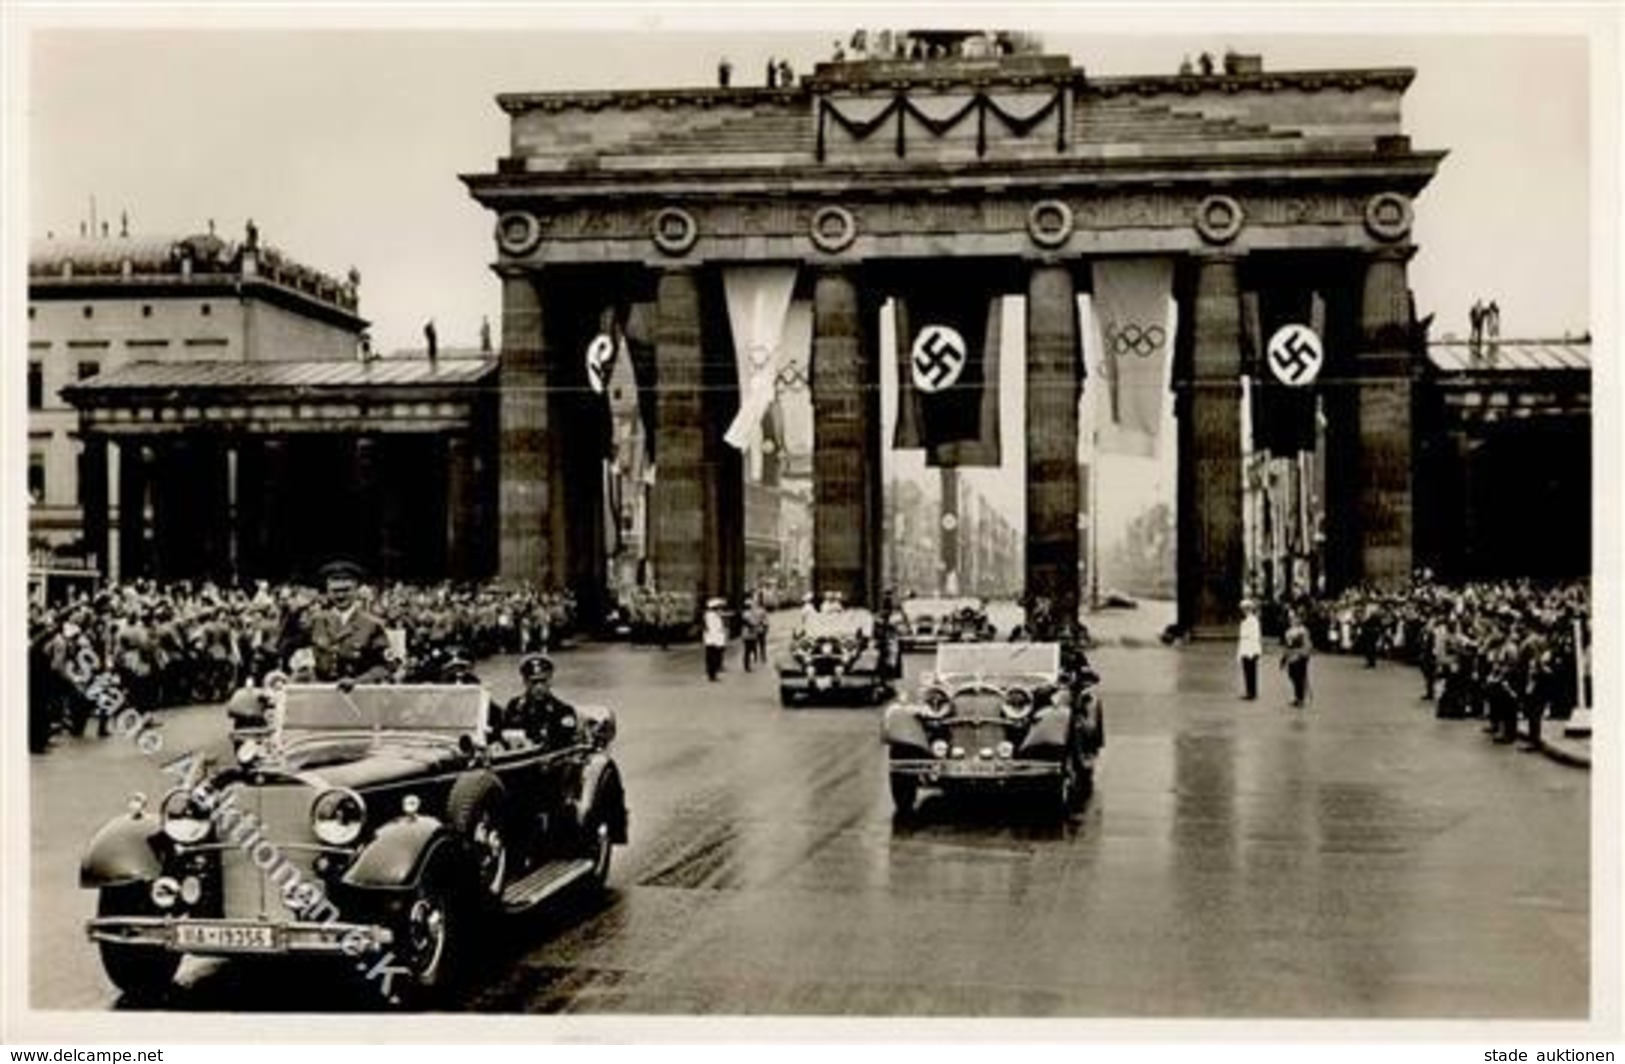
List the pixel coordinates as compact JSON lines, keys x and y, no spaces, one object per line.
{"x":345,"y":146}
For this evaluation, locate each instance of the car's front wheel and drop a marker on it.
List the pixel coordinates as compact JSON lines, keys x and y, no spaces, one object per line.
{"x":905,"y":791}
{"x":425,"y":936}
{"x":140,"y":972}
{"x":600,"y":850}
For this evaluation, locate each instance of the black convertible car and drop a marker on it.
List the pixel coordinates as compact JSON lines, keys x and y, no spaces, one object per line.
{"x":367,"y":824}
{"x":999,"y":715}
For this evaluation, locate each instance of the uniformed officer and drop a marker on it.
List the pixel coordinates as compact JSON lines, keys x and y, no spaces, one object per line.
{"x":349,"y":642}
{"x":543,"y":716}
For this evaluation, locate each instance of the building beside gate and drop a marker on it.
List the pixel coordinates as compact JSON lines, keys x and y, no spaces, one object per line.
{"x":204,"y":408}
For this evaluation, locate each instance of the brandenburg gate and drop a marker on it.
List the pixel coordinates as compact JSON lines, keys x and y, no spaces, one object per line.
{"x":867,"y":175}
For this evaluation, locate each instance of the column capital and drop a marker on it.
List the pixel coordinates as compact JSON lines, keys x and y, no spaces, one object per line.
{"x":1392,"y":253}
{"x":1217,"y":256}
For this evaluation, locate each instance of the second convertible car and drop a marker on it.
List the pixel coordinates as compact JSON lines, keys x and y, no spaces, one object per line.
{"x":835,"y":657}
{"x":1002,"y":715}
{"x":367,"y":824}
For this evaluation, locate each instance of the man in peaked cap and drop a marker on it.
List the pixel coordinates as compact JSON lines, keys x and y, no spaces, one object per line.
{"x":350,"y":643}
{"x":543,"y":716}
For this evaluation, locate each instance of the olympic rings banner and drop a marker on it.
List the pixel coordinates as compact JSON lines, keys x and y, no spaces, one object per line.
{"x":1132,"y":342}
{"x":758,"y":307}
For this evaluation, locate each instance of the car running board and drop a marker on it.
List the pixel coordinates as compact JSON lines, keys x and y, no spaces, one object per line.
{"x":543,"y":883}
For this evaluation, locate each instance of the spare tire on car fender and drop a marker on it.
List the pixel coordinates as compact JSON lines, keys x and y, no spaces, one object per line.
{"x":474,"y":810}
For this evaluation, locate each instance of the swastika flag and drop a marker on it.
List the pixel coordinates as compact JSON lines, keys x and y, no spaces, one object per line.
{"x":948,"y":367}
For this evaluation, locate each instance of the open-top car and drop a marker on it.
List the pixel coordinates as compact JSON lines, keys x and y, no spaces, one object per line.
{"x":930,"y":622}
{"x":835,"y":657}
{"x":1002,"y":715}
{"x":367,"y":823}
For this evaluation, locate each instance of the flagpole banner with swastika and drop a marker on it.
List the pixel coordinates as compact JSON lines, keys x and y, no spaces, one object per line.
{"x":948,"y":367}
{"x":1132,"y":338}
{"x":758,"y":300}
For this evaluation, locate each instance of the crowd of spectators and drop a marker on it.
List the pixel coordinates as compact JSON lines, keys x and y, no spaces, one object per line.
{"x":1499,"y":651}
{"x":184,"y":643}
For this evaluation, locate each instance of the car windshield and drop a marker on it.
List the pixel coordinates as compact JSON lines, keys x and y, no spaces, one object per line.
{"x":839,"y":624}
{"x":987,"y":660}
{"x":451,"y":709}
{"x":936,"y":607}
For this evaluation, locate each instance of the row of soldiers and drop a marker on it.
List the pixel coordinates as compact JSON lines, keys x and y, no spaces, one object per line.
{"x":1500,"y":651}
{"x":185,"y":643}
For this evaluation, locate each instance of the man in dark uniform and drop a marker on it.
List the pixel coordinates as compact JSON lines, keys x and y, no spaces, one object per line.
{"x":543,"y":716}
{"x":349,"y":642}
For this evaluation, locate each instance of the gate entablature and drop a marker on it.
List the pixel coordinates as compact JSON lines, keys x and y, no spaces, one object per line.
{"x":1015,"y":156}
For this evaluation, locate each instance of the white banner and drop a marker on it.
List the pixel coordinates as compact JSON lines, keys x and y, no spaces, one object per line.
{"x":1130,"y":338}
{"x":758,"y":303}
{"x":794,"y":411}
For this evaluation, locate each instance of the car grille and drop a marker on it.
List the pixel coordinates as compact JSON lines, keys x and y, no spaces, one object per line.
{"x":255,"y":873}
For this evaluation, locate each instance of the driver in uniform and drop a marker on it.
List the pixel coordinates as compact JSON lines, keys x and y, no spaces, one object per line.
{"x":544,"y":717}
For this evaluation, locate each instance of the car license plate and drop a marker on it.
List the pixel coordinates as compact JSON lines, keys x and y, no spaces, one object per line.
{"x":975,"y":768}
{"x":226,"y":937}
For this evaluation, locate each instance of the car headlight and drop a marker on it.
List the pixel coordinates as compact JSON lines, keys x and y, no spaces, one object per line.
{"x":337,"y":816}
{"x":936,"y":704}
{"x":1018,"y":703}
{"x":182,"y":818}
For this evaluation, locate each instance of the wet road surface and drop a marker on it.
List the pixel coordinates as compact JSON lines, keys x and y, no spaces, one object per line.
{"x":1356,"y":860}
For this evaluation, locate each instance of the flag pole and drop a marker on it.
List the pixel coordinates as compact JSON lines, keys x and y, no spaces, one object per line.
{"x":1094,"y":520}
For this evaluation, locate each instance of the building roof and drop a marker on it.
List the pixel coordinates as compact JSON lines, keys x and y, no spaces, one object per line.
{"x":1510,"y":356}
{"x":161,"y":257}
{"x":310,"y":375}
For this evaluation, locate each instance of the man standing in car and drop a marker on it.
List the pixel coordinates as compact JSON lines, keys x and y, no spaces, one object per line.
{"x":350,"y":643}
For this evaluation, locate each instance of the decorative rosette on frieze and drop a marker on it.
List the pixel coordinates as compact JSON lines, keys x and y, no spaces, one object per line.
{"x":833,"y":229}
{"x":1219,"y":219}
{"x":1388,"y":216}
{"x":674,"y":230}
{"x":1050,"y":223}
{"x":518,"y":232}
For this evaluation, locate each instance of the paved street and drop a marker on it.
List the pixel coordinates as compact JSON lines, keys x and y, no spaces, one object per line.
{"x":1359,"y":859}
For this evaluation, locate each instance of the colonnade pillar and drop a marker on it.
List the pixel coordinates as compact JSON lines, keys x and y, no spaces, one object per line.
{"x":93,"y":499}
{"x":460,"y":504}
{"x":678,"y":498}
{"x":134,"y":465}
{"x":1053,"y":386}
{"x":1211,"y":558}
{"x":1383,"y":415}
{"x":845,"y":460}
{"x":522,"y":434}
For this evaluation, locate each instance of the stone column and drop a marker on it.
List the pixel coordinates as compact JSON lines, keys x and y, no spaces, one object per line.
{"x":1053,"y":386}
{"x":132,"y":509}
{"x":93,"y":499}
{"x":174,"y":529}
{"x":842,"y":465}
{"x":677,"y":523}
{"x":1383,"y":414}
{"x":523,"y":423}
{"x":366,"y":502}
{"x":1214,"y":451}
{"x":272,"y":547}
{"x":459,"y":507}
